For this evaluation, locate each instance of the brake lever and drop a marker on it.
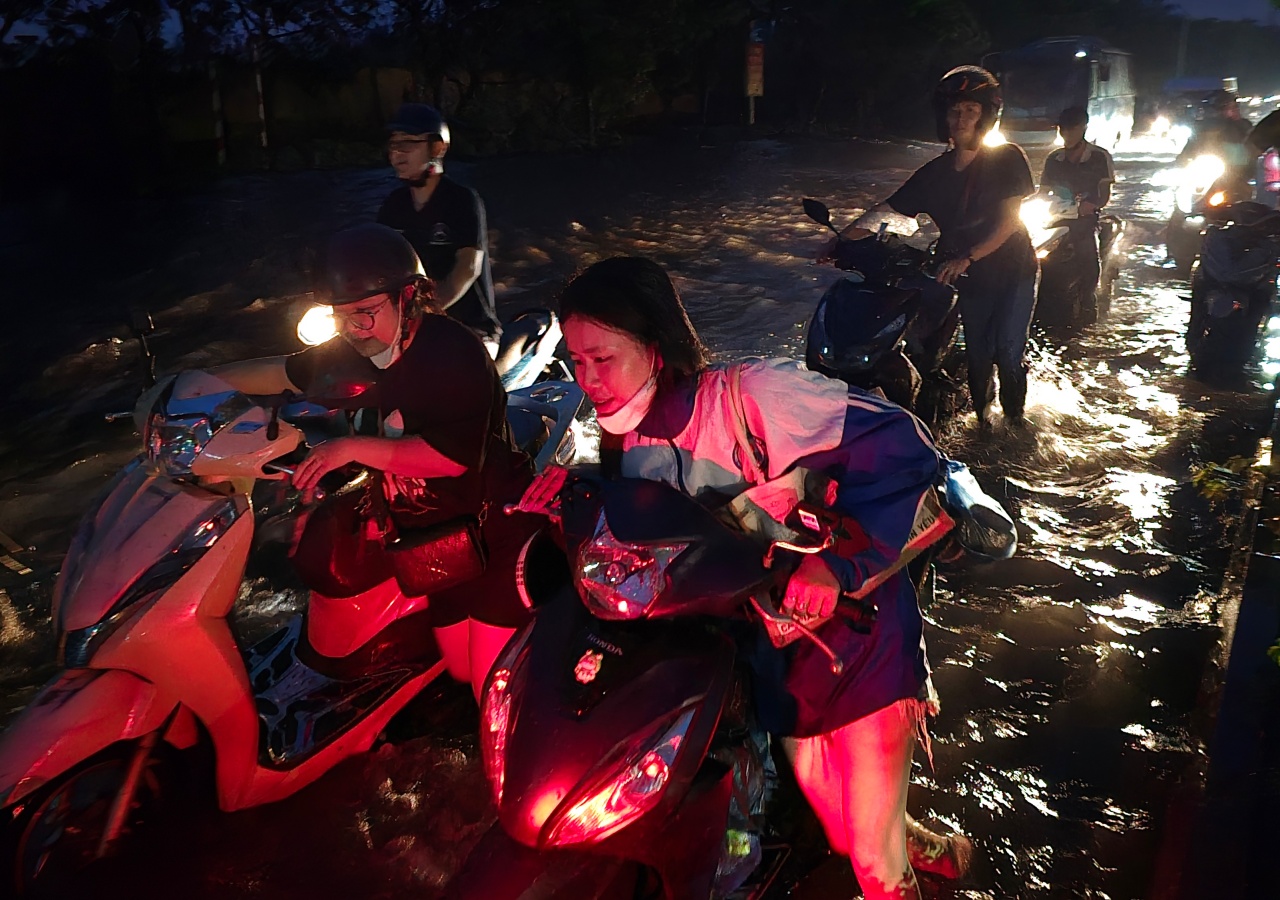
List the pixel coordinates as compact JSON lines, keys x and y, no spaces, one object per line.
{"x":783,"y":622}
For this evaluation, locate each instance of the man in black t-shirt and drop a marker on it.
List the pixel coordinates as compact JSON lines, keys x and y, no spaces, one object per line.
{"x":435,"y":429}
{"x":1221,"y":130}
{"x":443,"y":221}
{"x":974,"y":193}
{"x":1081,"y":171}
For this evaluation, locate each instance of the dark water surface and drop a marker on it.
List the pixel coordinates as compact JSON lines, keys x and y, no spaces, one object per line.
{"x":1076,"y":679}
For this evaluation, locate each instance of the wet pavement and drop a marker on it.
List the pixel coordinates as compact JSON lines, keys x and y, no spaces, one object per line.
{"x":1077,"y":679}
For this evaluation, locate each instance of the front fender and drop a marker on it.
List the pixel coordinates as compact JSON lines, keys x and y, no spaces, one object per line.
{"x":77,"y":714}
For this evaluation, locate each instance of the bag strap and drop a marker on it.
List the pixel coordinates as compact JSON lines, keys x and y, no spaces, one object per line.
{"x":755,"y":466}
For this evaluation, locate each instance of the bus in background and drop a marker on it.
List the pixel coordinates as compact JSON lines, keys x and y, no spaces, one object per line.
{"x":1045,"y":77}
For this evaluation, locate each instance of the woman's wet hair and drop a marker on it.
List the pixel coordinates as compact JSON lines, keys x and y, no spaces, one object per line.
{"x":635,"y":295}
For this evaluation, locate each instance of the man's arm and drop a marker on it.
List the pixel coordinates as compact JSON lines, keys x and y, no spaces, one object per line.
{"x":468,"y":263}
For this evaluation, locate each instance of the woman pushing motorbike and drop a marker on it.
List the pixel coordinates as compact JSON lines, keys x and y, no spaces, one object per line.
{"x":669,"y":416}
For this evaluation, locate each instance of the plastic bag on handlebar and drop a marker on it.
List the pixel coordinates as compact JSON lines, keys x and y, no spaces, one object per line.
{"x":983,"y":528}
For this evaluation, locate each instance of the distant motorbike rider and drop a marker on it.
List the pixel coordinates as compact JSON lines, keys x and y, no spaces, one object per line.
{"x":974,"y":194}
{"x":436,"y":431}
{"x":1084,"y":172}
{"x":1266,"y":134}
{"x":444,"y":221}
{"x":1221,"y":130}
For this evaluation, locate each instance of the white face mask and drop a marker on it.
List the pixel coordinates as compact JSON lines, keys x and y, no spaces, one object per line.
{"x":392,"y":353}
{"x":632,"y":412}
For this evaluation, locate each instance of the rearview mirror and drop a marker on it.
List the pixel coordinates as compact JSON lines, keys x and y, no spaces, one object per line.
{"x":817,"y":210}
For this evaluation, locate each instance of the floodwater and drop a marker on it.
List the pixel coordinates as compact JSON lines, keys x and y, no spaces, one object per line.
{"x":1076,"y":679}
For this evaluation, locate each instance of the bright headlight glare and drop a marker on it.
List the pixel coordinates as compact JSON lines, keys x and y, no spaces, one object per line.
{"x":994,"y":138}
{"x":1035,"y":213}
{"x":317,"y":326}
{"x":1203,"y":171}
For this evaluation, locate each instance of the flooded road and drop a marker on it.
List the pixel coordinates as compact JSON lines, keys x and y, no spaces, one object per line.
{"x":1075,"y":679}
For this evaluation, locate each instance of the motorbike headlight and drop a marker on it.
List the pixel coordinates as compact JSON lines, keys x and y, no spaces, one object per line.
{"x":174,"y":443}
{"x":175,"y":438}
{"x":626,"y":792}
{"x":618,"y":580}
{"x":994,"y":138}
{"x":76,"y":647}
{"x":1205,"y":170}
{"x":1035,"y":213}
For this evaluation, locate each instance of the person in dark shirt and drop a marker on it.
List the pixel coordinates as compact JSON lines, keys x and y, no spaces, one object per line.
{"x":1223,"y":131}
{"x":436,"y":429}
{"x":1266,"y":134}
{"x":974,"y":193}
{"x":1080,"y":171}
{"x":444,"y":221}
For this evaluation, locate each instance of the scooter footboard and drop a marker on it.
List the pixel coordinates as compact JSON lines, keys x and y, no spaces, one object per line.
{"x":77,"y":714}
{"x":500,"y":868}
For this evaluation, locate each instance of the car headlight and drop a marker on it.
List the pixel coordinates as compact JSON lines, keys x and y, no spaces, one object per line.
{"x":76,"y":647}
{"x":618,"y":580}
{"x":627,"y":792}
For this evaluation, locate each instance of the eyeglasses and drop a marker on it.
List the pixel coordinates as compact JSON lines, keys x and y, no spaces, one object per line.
{"x":405,"y":145}
{"x":359,"y":319}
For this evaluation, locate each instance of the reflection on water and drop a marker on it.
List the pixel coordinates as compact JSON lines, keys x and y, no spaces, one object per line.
{"x":1069,"y":675}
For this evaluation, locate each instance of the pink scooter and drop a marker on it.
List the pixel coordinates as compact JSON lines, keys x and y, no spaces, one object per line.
{"x":151,"y":657}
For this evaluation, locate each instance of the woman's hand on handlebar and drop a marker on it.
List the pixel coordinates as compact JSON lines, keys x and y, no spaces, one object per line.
{"x":812,"y":590}
{"x":542,"y":496}
{"x":332,"y":454}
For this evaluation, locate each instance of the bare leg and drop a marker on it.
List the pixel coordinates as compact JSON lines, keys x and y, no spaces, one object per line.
{"x":875,"y":756}
{"x":486,"y":642}
{"x":455,"y":648}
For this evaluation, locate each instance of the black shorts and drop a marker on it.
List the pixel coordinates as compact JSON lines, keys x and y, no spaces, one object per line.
{"x":493,"y":598}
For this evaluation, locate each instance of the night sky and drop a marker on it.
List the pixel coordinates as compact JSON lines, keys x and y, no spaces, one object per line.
{"x":1262,"y":10}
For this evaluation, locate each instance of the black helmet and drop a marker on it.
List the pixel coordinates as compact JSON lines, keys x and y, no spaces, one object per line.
{"x":419,"y":118}
{"x":367,"y":260}
{"x":971,"y":83}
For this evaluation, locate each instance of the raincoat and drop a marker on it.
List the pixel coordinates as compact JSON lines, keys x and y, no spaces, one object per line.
{"x":881,"y":465}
